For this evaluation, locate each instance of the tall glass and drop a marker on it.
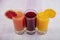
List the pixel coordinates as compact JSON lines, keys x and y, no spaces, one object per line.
{"x":19,"y":22}
{"x":42,"y":23}
{"x":30,"y":21}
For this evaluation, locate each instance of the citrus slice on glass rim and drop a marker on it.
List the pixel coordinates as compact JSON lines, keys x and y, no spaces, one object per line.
{"x":50,"y":12}
{"x":10,"y":13}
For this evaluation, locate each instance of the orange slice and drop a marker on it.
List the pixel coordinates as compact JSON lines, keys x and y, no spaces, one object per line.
{"x":50,"y":12}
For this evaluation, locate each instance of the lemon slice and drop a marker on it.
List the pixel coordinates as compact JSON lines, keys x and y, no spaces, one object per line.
{"x":50,"y":12}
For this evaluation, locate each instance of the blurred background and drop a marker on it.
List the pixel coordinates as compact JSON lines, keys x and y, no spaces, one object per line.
{"x":6,"y":25}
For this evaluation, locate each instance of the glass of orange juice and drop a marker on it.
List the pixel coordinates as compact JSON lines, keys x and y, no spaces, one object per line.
{"x":43,"y":20}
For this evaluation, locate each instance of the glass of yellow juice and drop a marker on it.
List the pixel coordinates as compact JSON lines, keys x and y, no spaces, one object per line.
{"x":42,"y":22}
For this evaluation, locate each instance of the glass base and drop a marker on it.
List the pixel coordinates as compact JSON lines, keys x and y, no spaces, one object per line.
{"x":30,"y":32}
{"x":41,"y":32}
{"x":20,"y":32}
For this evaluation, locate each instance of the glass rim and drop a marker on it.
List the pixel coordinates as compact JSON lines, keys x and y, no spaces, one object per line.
{"x":28,"y":10}
{"x":18,"y":18}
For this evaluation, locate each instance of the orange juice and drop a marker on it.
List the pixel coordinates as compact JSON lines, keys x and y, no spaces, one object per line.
{"x":19,"y":22}
{"x":42,"y":22}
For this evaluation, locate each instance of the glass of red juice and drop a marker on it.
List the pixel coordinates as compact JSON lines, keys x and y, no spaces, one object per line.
{"x":30,"y":16}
